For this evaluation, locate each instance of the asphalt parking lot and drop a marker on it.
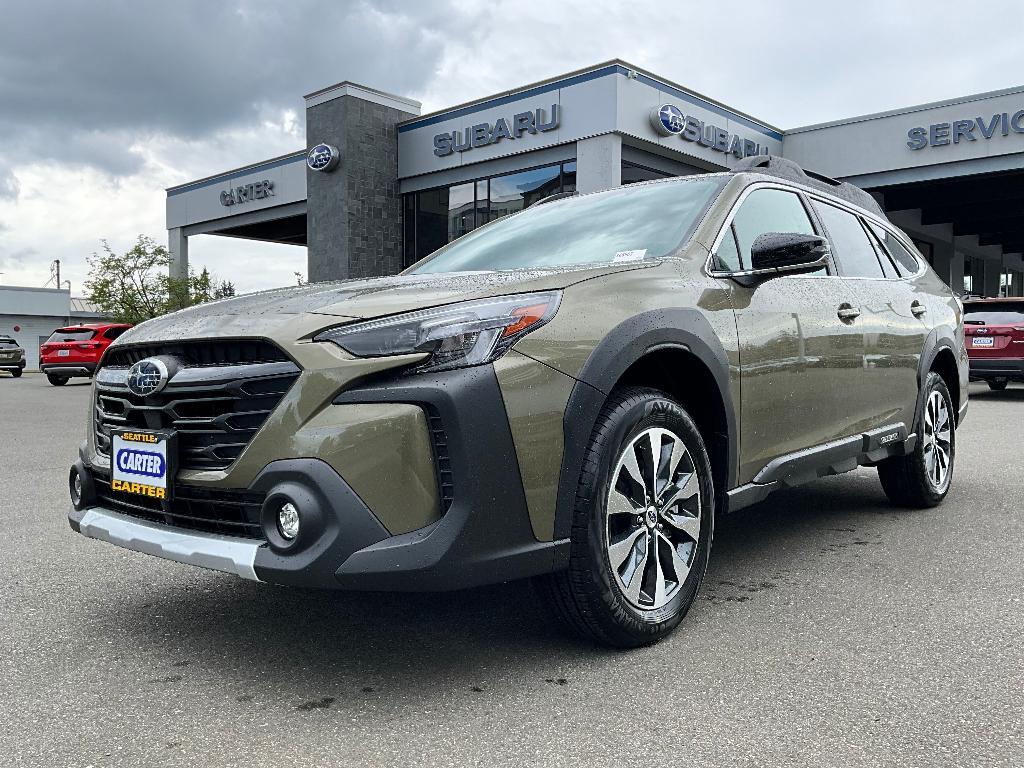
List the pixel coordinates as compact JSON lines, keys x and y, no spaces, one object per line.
{"x":832,"y":629}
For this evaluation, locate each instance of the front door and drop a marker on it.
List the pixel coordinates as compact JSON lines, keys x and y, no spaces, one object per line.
{"x":797,"y":357}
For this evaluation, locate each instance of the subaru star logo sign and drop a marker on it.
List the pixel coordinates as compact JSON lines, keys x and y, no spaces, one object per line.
{"x":147,"y":377}
{"x":667,"y":120}
{"x":323,"y":157}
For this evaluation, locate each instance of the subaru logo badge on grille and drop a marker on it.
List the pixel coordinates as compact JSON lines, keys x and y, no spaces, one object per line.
{"x":147,"y":377}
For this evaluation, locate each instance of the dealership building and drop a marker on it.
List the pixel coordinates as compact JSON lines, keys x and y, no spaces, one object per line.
{"x":380,"y":185}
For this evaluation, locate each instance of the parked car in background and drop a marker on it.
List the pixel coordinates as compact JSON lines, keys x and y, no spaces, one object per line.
{"x":573,"y":392}
{"x":995,"y":340}
{"x":75,"y":350}
{"x":12,"y":356}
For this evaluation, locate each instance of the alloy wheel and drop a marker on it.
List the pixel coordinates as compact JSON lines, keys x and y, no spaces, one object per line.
{"x":653,"y":518}
{"x":938,"y":436}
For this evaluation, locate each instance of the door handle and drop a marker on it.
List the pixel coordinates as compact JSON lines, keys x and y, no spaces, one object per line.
{"x":917,"y":309}
{"x":848,"y":313}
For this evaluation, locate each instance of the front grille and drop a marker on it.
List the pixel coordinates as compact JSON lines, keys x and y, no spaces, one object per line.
{"x":215,"y":408}
{"x":227,"y":512}
{"x":200,"y":353}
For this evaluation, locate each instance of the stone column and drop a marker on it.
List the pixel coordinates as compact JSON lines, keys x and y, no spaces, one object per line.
{"x":354,"y":212}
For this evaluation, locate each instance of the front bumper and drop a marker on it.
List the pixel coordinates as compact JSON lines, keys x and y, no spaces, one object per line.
{"x":997,"y":368}
{"x":220,"y":553}
{"x":483,"y":536}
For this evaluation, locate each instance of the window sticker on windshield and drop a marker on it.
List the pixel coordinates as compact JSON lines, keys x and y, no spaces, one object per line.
{"x":630,"y":255}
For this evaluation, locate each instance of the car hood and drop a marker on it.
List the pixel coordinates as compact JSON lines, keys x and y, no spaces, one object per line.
{"x":301,"y":310}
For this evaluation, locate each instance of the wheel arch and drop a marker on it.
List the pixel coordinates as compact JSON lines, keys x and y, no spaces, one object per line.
{"x":676,"y":351}
{"x":939,"y":356}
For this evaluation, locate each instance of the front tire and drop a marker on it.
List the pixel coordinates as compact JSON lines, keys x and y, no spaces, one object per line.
{"x":922,"y":478}
{"x":642,"y":523}
{"x":57,"y":381}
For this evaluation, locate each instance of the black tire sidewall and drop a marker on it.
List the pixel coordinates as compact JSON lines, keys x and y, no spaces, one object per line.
{"x":643,"y":410}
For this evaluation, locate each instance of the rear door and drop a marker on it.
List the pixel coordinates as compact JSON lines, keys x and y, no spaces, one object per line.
{"x":796,"y":356}
{"x":892,"y":319}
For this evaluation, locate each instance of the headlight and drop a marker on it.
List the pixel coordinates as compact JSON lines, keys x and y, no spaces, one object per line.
{"x":456,"y":335}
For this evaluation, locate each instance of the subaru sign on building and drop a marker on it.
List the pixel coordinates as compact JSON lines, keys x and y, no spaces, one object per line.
{"x":380,"y":185}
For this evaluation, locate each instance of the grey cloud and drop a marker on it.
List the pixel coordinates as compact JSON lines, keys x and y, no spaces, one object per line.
{"x":77,"y":78}
{"x":18,"y":257}
{"x":8,"y":184}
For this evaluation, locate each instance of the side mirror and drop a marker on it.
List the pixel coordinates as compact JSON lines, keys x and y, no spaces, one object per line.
{"x":788,"y":252}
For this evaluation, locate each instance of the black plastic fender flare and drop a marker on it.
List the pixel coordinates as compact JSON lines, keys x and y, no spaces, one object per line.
{"x":685,"y":329}
{"x":941,"y":337}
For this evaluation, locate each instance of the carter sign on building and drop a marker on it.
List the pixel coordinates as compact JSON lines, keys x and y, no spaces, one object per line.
{"x":258,"y":190}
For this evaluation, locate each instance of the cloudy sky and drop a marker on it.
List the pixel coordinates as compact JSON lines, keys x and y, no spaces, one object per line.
{"x":103,"y":105}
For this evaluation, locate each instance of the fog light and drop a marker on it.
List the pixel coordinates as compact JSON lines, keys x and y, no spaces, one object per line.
{"x":288,"y":521}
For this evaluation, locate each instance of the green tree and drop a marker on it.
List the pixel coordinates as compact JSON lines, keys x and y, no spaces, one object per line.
{"x":135,"y":286}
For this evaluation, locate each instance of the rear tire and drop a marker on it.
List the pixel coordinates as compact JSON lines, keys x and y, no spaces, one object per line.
{"x":642,"y":526}
{"x":57,"y":381}
{"x":922,"y":478}
{"x":16,"y":373}
{"x":997,"y":385}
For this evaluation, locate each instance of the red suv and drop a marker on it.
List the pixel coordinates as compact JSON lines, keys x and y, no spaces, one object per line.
{"x":76,"y":350}
{"x":995,"y":340}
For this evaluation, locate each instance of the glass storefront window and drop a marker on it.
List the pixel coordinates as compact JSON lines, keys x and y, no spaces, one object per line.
{"x":569,"y":176}
{"x":461,"y":210}
{"x":520,"y":190}
{"x":435,"y":217}
{"x":431,"y":222}
{"x":632,"y":173}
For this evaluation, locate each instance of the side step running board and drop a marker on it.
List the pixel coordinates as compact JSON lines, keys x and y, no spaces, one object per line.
{"x":830,"y":458}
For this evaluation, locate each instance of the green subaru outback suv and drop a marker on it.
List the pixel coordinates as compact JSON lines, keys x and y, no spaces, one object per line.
{"x":572,"y":393}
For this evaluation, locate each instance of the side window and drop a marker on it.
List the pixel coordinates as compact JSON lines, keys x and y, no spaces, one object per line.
{"x":768,"y":210}
{"x":905,"y":260}
{"x":889,"y":268}
{"x":727,"y":257}
{"x":113,"y":333}
{"x":850,"y":245}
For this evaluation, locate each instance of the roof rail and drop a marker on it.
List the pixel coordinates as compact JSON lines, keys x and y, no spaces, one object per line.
{"x":787,"y":169}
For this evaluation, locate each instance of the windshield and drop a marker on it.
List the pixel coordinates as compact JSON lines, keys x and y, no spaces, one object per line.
{"x":995,"y":313}
{"x":8,"y":343}
{"x":71,"y":334}
{"x":623,"y":224}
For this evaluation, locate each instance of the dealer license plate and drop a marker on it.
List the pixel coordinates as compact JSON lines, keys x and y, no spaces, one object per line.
{"x":142,"y":463}
{"x":63,"y":352}
{"x":982,"y":342}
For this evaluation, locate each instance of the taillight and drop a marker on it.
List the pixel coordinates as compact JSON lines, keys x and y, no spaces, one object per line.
{"x":87,"y":345}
